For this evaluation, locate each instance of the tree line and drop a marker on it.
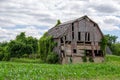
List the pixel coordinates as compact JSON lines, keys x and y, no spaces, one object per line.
{"x":113,"y":44}
{"x":27,"y":47}
{"x":30,"y":47}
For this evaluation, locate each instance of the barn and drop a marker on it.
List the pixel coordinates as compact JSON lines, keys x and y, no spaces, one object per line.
{"x":78,"y":40}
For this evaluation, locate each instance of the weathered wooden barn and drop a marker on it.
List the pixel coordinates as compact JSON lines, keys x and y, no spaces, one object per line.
{"x":77,"y":38}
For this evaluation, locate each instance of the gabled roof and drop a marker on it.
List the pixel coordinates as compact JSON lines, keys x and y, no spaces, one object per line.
{"x":60,"y":30}
{"x":78,"y":19}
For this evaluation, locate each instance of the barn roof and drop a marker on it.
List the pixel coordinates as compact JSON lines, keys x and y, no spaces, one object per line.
{"x":78,"y":19}
{"x":61,"y":29}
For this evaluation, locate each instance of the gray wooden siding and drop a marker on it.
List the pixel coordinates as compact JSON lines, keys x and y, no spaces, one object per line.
{"x":76,"y":27}
{"x":82,"y":26}
{"x":69,"y":35}
{"x":98,"y":36}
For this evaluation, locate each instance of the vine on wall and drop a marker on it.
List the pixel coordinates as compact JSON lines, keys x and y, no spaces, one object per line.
{"x":46,"y":46}
{"x":103,"y":45}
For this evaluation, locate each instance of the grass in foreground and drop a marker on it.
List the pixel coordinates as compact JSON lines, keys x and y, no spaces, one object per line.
{"x":110,"y":70}
{"x":25,"y":60}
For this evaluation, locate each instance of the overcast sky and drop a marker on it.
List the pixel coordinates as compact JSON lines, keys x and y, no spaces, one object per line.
{"x":37,"y":16}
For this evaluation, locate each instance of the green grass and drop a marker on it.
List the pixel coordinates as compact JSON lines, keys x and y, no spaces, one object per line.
{"x":109,"y":70}
{"x":26,"y":60}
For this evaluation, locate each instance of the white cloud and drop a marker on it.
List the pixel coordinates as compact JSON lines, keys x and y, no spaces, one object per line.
{"x":112,"y":20}
{"x":7,"y":34}
{"x":107,"y":23}
{"x":35,"y":14}
{"x":31,"y":31}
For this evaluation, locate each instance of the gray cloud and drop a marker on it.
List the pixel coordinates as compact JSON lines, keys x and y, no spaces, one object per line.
{"x":106,"y":8}
{"x":37,"y":16}
{"x":112,"y":20}
{"x":50,"y":20}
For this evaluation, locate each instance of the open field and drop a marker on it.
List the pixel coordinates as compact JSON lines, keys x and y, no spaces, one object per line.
{"x":109,"y":70}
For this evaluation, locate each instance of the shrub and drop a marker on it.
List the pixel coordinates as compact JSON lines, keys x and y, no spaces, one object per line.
{"x":1,"y":56}
{"x":46,"y":46}
{"x":71,"y":60}
{"x":103,"y":44}
{"x":52,"y":58}
{"x":37,"y":55}
{"x":6,"y":57}
{"x":91,"y":59}
{"x":26,"y":60}
{"x":34,"y":56}
{"x":84,"y":58}
{"x":25,"y":55}
{"x":1,"y":53}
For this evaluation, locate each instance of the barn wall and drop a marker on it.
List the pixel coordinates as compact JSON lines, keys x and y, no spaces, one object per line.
{"x":98,"y":59}
{"x":76,"y":29}
{"x":82,"y":29}
{"x":98,"y":36}
{"x":68,"y":50}
{"x":86,"y":25}
{"x":69,"y":34}
{"x":77,"y":60}
{"x":90,"y":29}
{"x":89,"y":26}
{"x":83,"y":26}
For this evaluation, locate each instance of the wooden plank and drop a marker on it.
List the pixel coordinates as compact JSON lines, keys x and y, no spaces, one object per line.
{"x":82,"y":25}
{"x":76,"y":31}
{"x":82,"y":36}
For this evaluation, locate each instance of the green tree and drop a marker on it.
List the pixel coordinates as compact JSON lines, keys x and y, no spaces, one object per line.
{"x":33,"y":42}
{"x":22,"y":45}
{"x":21,"y":37}
{"x":113,"y":45}
{"x":58,"y":22}
{"x":4,"y":55}
{"x":116,"y":49}
{"x":46,"y":46}
{"x":3,"y":44}
{"x":1,"y":53}
{"x":111,"y":39}
{"x":103,"y":44}
{"x":17,"y":49}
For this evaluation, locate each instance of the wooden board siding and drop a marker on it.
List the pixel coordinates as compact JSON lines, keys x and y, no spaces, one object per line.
{"x":90,"y":36}
{"x":82,"y":25}
{"x":82,"y":47}
{"x":82,"y":36}
{"x":74,"y":60}
{"x":89,"y":26}
{"x":69,"y":34}
{"x":77,"y":60}
{"x":76,"y":29}
{"x":80,"y":60}
{"x":82,"y":29}
{"x":90,"y":29}
{"x":68,"y":50}
{"x":98,"y":59}
{"x":98,"y":36}
{"x":73,"y":45}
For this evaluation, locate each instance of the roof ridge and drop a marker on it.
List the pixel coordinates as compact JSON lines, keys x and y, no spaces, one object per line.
{"x":70,"y":21}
